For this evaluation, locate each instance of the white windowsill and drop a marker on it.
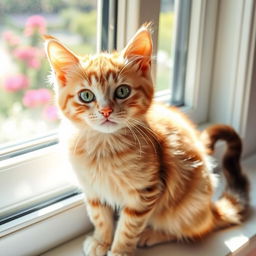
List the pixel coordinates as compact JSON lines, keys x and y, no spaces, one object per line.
{"x":238,"y":240}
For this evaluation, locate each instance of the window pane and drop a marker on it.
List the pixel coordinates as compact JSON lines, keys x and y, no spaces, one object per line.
{"x":174,"y":26}
{"x":165,"y":45}
{"x":27,"y":102}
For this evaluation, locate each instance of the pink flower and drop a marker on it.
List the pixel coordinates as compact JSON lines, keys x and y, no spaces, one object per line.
{"x":34,"y":63}
{"x":35,"y":23}
{"x":15,"y":83}
{"x":29,"y":55}
{"x":10,"y":38}
{"x":25,"y":53}
{"x":50,"y":113}
{"x":34,"y":98}
{"x":45,"y":95}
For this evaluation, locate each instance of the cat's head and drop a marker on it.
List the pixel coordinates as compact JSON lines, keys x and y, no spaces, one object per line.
{"x":106,"y":91}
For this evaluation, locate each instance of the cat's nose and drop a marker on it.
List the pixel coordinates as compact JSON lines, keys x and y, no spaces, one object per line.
{"x":106,"y":111}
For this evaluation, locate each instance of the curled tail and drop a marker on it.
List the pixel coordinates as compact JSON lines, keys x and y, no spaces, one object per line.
{"x":233,"y":206}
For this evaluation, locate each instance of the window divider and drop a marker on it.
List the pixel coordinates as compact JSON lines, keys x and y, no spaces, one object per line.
{"x":182,"y":32}
{"x":107,"y":25}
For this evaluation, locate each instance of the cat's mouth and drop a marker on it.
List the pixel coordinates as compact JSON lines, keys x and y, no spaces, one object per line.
{"x":108,"y":122}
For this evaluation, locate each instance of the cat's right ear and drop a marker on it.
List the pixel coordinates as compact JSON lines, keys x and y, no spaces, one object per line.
{"x":61,"y":59}
{"x":139,"y":48}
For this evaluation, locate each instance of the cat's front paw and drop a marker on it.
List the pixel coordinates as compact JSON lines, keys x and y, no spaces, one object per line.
{"x":147,"y":238}
{"x":93,"y":247}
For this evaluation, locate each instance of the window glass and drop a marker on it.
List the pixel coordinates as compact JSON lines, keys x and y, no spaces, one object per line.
{"x":165,"y":45}
{"x":27,"y":102}
{"x":173,"y":41}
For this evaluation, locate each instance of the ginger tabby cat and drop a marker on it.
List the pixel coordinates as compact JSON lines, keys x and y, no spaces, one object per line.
{"x":143,"y":160}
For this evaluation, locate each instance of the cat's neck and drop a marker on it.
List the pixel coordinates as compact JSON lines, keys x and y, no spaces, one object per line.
{"x":92,"y":136}
{"x":93,"y":143}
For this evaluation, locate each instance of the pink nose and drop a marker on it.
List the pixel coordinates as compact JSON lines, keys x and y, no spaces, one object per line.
{"x":106,"y":111}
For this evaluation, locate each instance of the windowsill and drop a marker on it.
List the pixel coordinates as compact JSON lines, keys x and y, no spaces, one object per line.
{"x":232,"y":241}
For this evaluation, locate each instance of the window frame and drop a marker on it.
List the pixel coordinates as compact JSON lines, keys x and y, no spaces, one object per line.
{"x":238,"y":84}
{"x":107,"y":25}
{"x":206,"y":59}
{"x":184,"y":11}
{"x":200,"y":59}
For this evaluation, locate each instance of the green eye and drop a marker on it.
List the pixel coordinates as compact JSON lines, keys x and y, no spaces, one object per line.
{"x":86,"y":96}
{"x":122,"y":91}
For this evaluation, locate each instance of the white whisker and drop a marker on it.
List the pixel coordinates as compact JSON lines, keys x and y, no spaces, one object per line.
{"x":137,"y":127}
{"x":147,"y":128}
{"x":134,"y":136}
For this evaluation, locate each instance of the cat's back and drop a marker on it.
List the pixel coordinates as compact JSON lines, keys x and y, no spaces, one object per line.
{"x":182,"y":150}
{"x":170,"y":121}
{"x":186,"y":167}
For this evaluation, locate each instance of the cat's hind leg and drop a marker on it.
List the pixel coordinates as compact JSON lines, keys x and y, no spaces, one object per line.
{"x":150,"y":237}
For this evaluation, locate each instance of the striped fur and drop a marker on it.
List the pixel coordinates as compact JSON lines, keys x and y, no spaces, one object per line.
{"x":145,"y":161}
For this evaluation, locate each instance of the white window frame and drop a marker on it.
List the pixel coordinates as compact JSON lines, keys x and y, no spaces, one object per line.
{"x":230,"y":100}
{"x":206,"y":81}
{"x":200,"y":59}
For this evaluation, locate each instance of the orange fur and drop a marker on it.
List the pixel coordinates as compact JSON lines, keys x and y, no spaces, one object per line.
{"x":145,"y":159}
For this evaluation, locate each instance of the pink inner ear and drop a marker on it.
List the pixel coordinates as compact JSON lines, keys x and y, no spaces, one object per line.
{"x":62,"y":60}
{"x":140,"y":48}
{"x":59,"y":56}
{"x":140,"y":45}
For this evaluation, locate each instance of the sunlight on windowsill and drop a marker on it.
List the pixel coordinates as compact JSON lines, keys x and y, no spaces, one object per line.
{"x":236,"y":242}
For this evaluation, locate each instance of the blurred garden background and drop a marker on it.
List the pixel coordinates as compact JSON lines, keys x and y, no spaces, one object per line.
{"x":27,"y":107}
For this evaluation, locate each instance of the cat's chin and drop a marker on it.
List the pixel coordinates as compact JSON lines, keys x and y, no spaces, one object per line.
{"x":107,"y":127}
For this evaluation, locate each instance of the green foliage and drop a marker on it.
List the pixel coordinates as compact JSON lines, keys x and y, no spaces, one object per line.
{"x":83,"y":49}
{"x":166,"y":29}
{"x":20,"y":6}
{"x":163,"y":79}
{"x":81,"y":23}
{"x":84,"y":25}
{"x":67,"y":15}
{"x":6,"y":100}
{"x":43,"y":6}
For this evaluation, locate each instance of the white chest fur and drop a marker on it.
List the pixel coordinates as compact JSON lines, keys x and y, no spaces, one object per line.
{"x":110,"y":168}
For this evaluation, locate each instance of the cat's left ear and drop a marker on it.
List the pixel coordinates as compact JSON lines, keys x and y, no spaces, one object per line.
{"x":140,"y":46}
{"x":62,"y":60}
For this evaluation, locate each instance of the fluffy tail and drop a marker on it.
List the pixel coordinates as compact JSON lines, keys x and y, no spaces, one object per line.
{"x":233,"y":206}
